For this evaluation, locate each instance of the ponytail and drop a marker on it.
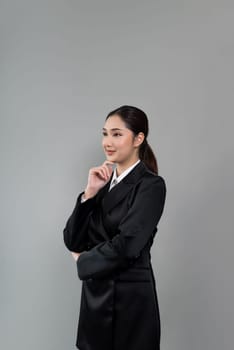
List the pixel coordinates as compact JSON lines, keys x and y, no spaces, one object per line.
{"x":146,"y":154}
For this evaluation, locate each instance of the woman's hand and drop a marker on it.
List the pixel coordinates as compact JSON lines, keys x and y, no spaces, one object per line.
{"x":98,"y":177}
{"x":76,"y":255}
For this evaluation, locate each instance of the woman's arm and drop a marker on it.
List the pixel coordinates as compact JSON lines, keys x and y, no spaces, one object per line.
{"x":75,"y":231}
{"x":134,"y":231}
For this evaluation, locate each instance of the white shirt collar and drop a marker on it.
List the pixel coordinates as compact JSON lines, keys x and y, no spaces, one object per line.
{"x":124,"y":173}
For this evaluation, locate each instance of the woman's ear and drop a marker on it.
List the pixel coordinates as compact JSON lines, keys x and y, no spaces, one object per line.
{"x":139,"y":139}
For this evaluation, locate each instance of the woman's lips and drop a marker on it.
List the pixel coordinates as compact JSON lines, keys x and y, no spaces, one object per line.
{"x":110,"y":152}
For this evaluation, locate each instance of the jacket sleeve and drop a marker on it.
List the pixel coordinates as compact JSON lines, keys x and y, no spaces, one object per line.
{"x":134,"y":231}
{"x":76,"y":228}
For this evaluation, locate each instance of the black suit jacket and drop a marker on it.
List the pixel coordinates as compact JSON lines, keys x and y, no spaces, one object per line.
{"x":113,"y":229}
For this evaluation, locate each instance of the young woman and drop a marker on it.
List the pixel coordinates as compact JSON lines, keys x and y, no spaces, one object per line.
{"x":110,"y":233}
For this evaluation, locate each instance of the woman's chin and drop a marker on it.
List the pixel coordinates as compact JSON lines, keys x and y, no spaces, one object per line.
{"x":111,"y":157}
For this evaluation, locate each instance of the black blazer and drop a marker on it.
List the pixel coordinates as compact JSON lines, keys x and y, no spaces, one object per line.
{"x":113,"y":229}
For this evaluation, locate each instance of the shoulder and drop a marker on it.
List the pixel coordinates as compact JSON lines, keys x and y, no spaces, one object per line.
{"x":150,"y":178}
{"x":149,"y":186}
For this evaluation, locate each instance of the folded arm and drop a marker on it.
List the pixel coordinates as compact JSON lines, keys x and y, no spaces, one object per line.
{"x":76,"y":228}
{"x":134,"y":231}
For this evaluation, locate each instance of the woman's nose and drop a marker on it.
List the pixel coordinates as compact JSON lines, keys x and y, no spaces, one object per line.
{"x":107,"y":142}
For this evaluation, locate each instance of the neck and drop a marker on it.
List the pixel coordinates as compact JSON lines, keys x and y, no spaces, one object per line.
{"x":121,"y":167}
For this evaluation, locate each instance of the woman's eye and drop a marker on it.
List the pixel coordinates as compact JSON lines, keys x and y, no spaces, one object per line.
{"x":115,"y":134}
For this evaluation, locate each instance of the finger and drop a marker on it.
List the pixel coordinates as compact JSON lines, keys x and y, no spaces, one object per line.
{"x":98,"y":171}
{"x":109,"y":162}
{"x":104,"y":173}
{"x":74,"y":255}
{"x":109,"y":165}
{"x":108,"y":170}
{"x":101,"y":173}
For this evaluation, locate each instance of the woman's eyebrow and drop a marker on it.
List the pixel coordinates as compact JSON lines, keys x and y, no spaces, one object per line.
{"x":113,"y":129}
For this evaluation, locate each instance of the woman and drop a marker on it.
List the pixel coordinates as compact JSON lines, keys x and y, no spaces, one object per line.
{"x":110,"y":233}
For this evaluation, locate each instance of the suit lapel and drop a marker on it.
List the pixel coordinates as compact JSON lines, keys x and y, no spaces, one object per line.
{"x":119,"y":191}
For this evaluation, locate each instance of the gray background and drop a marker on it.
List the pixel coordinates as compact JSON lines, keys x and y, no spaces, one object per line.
{"x":64,"y":66}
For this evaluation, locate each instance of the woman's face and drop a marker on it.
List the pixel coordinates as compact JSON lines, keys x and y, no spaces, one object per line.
{"x":120,"y":141}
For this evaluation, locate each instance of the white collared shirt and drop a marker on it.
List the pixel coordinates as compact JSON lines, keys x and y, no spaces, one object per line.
{"x":116,"y":179}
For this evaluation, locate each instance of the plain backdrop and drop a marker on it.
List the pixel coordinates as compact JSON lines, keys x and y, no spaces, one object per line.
{"x":64,"y":65}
